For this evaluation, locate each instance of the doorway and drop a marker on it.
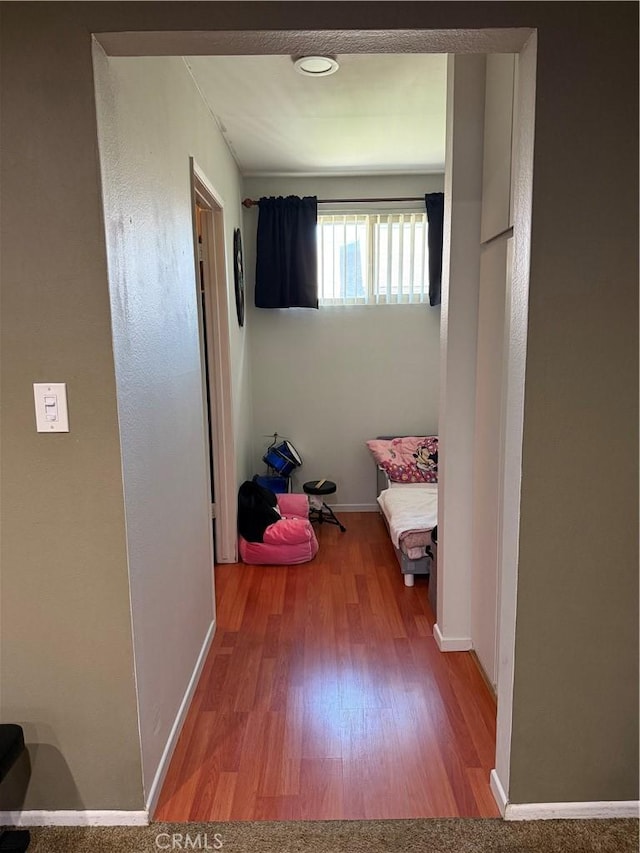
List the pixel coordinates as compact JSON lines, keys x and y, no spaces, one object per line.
{"x":210,"y":263}
{"x":421,"y":40}
{"x":199,"y":215}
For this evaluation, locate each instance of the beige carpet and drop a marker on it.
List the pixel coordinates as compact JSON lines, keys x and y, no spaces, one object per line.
{"x":371,"y":836}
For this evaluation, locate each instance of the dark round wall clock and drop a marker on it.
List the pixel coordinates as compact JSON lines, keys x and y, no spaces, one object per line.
{"x":238,"y":274}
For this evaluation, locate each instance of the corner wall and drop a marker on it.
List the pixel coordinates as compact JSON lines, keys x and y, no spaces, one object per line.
{"x":151,"y":120}
{"x":331,"y":379}
{"x":460,"y":286}
{"x":67,"y":672}
{"x":575,"y":702}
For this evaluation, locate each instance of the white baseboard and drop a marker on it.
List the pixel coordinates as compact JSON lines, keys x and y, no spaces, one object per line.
{"x":498,"y":791}
{"x":121,"y":818}
{"x":572,"y":811}
{"x":451,"y":644}
{"x":163,"y":766}
{"x":102,"y":817}
{"x":354,"y":507}
{"x":560,"y":811}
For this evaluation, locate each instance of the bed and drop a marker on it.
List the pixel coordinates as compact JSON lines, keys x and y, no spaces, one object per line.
{"x":407,"y":480}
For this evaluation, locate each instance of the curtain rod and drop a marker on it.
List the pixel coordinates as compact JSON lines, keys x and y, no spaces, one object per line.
{"x":252,"y":202}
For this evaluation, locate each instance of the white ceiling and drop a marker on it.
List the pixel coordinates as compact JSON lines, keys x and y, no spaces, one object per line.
{"x":380,"y":113}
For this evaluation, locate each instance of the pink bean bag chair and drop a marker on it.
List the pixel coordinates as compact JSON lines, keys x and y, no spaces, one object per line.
{"x":286,"y":542}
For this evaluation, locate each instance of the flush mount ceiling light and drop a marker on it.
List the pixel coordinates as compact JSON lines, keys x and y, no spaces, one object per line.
{"x":316,"y":66}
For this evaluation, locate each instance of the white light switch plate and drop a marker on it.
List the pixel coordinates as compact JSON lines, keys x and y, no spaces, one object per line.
{"x":51,"y":406}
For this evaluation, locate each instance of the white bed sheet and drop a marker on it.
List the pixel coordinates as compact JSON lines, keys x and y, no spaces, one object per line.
{"x":409,"y":508}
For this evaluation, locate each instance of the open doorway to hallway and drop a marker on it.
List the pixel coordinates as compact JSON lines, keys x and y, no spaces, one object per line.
{"x":148,"y":732}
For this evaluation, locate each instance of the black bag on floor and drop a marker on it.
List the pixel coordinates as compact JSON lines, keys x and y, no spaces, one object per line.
{"x":256,"y":511}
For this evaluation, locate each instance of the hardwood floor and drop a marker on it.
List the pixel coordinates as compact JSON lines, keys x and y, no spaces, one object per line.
{"x":324,"y":696}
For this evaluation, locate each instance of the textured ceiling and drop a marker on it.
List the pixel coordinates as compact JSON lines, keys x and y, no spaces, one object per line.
{"x":379,"y":113}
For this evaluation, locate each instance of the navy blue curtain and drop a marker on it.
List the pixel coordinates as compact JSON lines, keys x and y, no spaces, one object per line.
{"x":435,"y":217}
{"x":287,"y":254}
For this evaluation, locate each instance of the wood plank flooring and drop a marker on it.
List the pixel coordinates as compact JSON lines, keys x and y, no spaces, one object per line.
{"x":324,"y":696}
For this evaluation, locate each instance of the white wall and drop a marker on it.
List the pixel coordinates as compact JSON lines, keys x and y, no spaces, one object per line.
{"x":460,"y":280}
{"x":332,"y":378}
{"x":151,"y":120}
{"x":491,"y":359}
{"x":487,"y":455}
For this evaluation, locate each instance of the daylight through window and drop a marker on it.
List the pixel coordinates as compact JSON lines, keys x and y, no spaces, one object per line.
{"x":372,"y":258}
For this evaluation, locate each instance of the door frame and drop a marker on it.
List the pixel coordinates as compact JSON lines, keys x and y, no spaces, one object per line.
{"x":485,"y":40}
{"x":218,"y":349}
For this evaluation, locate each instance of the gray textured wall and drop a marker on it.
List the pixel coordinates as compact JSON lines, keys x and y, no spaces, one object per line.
{"x":67,"y":651}
{"x":575,"y":720}
{"x":67,"y":658}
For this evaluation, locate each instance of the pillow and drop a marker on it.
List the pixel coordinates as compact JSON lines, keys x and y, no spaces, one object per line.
{"x":289,"y":531}
{"x":412,"y":459}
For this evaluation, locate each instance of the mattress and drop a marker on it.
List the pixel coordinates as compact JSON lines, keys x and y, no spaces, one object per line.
{"x":411,"y":515}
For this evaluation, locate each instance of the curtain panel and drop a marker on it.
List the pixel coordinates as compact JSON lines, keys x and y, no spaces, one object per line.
{"x":435,"y":217}
{"x":287,"y":254}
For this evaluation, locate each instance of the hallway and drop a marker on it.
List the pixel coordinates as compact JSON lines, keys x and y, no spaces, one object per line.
{"x":324,"y":696}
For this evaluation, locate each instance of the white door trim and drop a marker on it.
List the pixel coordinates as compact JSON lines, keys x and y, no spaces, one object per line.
{"x":219,"y":351}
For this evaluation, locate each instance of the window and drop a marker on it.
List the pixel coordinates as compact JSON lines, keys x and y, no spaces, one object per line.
{"x":372,"y":258}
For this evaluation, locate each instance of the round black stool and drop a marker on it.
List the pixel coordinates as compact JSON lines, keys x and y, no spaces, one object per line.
{"x":318,"y":510}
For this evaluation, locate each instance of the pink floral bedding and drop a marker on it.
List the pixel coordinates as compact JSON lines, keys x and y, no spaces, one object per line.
{"x":411,"y":459}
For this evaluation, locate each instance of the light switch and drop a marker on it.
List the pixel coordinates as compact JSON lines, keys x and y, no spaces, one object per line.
{"x":51,"y":406}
